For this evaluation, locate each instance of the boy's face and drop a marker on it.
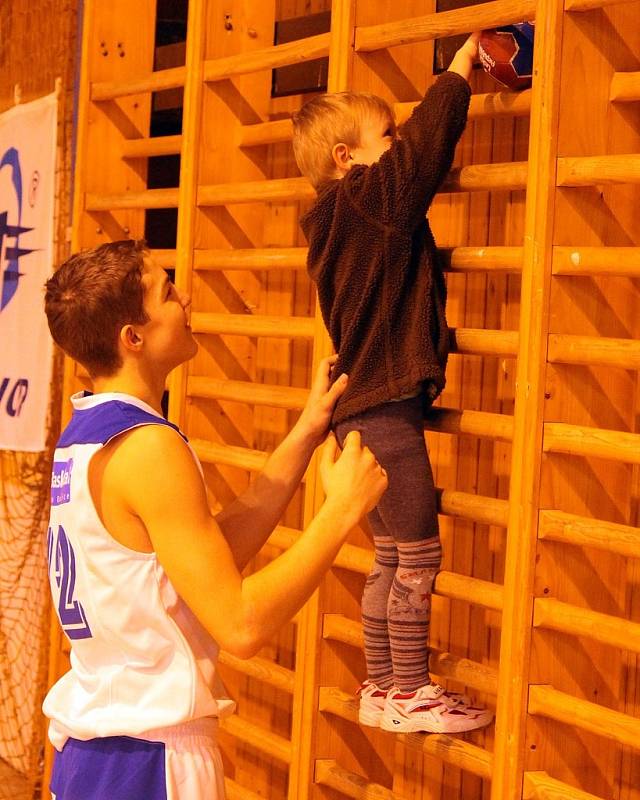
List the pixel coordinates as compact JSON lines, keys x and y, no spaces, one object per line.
{"x":167,"y":336}
{"x":376,"y":135}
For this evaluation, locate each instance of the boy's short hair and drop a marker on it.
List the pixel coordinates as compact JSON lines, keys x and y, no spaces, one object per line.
{"x":327,"y":120}
{"x":91,"y":296}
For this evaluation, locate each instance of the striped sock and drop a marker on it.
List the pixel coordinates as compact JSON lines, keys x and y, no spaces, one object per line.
{"x":377,"y":648}
{"x":409,"y":611}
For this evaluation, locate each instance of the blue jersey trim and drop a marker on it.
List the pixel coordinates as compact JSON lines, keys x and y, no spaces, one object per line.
{"x":101,"y":423}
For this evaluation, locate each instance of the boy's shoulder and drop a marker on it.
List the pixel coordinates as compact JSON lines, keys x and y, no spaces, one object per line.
{"x":323,"y":207}
{"x":335,"y":199}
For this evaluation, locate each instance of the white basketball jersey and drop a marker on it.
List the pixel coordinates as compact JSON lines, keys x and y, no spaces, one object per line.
{"x":139,"y":657}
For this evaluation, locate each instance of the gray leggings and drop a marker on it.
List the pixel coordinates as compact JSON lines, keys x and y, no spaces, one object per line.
{"x":397,"y":594}
{"x":394,"y":432}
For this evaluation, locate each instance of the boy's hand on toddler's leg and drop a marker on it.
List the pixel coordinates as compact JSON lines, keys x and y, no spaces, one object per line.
{"x":354,"y":481}
{"x":316,"y":416}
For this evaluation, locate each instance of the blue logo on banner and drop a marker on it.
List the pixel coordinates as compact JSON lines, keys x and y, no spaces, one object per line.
{"x":61,"y":482}
{"x":12,"y":254}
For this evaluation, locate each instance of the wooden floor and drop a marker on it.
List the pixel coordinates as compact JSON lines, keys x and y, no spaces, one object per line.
{"x":13,"y":786}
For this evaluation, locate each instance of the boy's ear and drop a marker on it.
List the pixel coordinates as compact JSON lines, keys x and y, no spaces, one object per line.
{"x":342,"y":156}
{"x":130,"y":338}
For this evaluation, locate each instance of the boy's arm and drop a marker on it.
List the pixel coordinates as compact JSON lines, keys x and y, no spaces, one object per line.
{"x":399,"y":188}
{"x":247,"y":523}
{"x":169,"y":497}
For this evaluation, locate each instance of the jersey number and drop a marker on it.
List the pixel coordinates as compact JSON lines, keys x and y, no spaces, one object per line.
{"x":62,"y":565}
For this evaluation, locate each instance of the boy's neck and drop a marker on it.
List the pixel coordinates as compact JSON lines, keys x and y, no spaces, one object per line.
{"x":132,"y":383}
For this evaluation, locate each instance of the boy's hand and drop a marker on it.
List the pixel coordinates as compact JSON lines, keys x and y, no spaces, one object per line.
{"x":465,"y":57}
{"x":471,"y":44}
{"x":316,"y":416}
{"x":355,"y":482}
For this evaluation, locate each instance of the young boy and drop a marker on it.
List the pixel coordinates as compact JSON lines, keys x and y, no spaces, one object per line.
{"x":382,"y":295}
{"x":146,"y":581}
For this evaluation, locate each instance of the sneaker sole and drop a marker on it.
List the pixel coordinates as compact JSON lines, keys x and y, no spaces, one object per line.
{"x":370,"y":718}
{"x":401,"y":725}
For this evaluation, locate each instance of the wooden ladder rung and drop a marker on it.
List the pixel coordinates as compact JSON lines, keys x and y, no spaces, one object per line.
{"x":555,"y":615}
{"x":478,"y":341}
{"x":509,"y":176}
{"x":350,"y":557}
{"x":253,"y":325}
{"x":152,"y":146}
{"x":585,"y":261}
{"x":470,"y":673}
{"x":473,"y":178}
{"x":625,"y":87}
{"x":447,"y":584}
{"x":541,"y":786}
{"x":456,"y":259}
{"x":261,"y":669}
{"x":443,"y":24}
{"x":275,"y":131}
{"x":164,"y":258}
{"x":561,"y":437}
{"x":261,"y":738}
{"x":548,"y":702}
{"x":594,"y":351}
{"x":481,"y":106}
{"x":456,"y":752}
{"x":339,"y":628}
{"x":287,"y":397}
{"x":350,"y":784}
{"x":588,"y":5}
{"x":265,"y":258}
{"x":558,"y":526}
{"x":234,"y":791}
{"x":149,"y":198}
{"x":173,"y":78}
{"x":474,"y":507}
{"x":478,"y":259}
{"x":285,"y":190}
{"x":469,"y":590}
{"x":473,"y":423}
{"x":595,"y":170}
{"x":283,"y":537}
{"x":229,"y":455}
{"x":280,"y":55}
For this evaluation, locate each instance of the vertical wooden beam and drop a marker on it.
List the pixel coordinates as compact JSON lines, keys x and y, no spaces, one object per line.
{"x":187,"y":208}
{"x":511,"y":714}
{"x":309,"y":641}
{"x":69,"y":382}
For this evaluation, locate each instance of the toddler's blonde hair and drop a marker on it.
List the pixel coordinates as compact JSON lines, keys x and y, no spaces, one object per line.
{"x":328,"y":120}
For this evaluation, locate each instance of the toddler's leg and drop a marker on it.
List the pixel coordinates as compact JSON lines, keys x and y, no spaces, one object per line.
{"x":407,"y":514}
{"x":377,"y":647}
{"x":408,"y":511}
{"x":409,"y":611}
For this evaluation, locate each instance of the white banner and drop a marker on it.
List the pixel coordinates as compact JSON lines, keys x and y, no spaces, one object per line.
{"x":27,"y":197}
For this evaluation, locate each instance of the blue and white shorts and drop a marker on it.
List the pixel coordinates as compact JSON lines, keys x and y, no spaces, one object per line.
{"x":182,"y":762}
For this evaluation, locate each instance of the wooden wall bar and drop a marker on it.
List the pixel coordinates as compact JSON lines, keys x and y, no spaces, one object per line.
{"x":534,"y":442}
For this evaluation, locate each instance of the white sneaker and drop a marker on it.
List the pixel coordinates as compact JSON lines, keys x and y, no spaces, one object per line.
{"x":372,"y":703}
{"x":432,"y":710}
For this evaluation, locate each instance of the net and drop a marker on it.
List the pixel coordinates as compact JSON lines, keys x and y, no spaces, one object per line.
{"x":24,"y":618}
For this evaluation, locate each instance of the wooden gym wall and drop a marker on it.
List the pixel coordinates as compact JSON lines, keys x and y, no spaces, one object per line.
{"x":535,"y":441}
